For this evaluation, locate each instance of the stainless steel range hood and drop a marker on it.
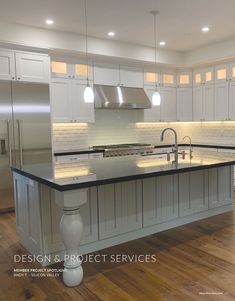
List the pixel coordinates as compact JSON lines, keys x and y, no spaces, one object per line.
{"x":117,"y":97}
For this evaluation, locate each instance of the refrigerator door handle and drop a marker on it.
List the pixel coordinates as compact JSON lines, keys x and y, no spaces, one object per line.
{"x":20,"y":142}
{"x":9,"y":142}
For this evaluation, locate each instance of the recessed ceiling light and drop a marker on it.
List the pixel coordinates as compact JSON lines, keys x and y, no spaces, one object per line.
{"x":205,"y":29}
{"x":111,"y":34}
{"x":162,"y":43}
{"x":49,"y":22}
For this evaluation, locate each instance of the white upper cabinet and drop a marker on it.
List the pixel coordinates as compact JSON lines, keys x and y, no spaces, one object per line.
{"x":153,"y":114}
{"x":184,"y":79}
{"x":198,"y":113}
{"x":7,"y":65}
{"x":209,"y":102}
{"x":24,"y":66}
{"x":168,"y":104}
{"x":168,"y":79}
{"x":106,"y":74}
{"x":67,"y":101}
{"x":81,"y":111}
{"x":68,"y":70}
{"x":232,"y":100}
{"x":203,"y":76}
{"x":221,"y":73}
{"x":184,"y":104}
{"x":60,"y":100}
{"x":131,"y":76}
{"x":222,"y":101}
{"x":152,"y":78}
{"x":32,"y":67}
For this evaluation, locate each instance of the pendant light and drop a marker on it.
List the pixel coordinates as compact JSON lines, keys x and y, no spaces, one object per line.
{"x":156,"y":97}
{"x":88,"y":92}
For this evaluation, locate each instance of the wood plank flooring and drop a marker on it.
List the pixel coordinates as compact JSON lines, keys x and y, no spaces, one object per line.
{"x":195,"y":262}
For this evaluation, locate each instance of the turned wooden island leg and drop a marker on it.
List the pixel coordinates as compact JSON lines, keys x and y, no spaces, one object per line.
{"x":71,"y":228}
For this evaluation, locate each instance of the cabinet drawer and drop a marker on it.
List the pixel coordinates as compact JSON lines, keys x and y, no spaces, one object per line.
{"x":96,"y":156}
{"x":71,"y":158}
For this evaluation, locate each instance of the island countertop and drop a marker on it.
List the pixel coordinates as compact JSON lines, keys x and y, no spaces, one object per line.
{"x":94,"y":172}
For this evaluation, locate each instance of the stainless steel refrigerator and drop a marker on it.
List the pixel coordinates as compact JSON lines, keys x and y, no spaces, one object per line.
{"x":25,"y":131}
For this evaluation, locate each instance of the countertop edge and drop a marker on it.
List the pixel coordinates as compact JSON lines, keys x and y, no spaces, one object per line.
{"x":74,"y":186}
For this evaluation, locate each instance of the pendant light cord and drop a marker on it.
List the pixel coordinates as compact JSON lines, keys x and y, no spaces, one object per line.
{"x":86,"y":41}
{"x":155,"y":45}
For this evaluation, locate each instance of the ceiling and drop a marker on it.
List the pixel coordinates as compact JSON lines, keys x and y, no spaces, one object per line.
{"x":180,"y":21}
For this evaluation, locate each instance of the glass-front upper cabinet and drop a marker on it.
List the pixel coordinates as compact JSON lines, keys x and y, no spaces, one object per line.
{"x":69,"y":70}
{"x":151,"y":78}
{"x":168,"y":79}
{"x":221,"y":73}
{"x":184,"y":79}
{"x":203,"y":76}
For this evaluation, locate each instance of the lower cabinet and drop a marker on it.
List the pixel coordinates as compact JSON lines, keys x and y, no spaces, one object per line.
{"x":220,"y":183}
{"x":160,"y":199}
{"x":193,"y":192}
{"x":120,"y":208}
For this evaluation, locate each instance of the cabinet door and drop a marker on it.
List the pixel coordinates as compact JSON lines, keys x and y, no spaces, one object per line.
{"x":184,"y":79}
{"x":60,"y":100}
{"x":32,"y":67}
{"x":208,"y":102}
{"x":152,"y":114}
{"x":220,"y":186}
{"x":232,"y":100}
{"x":198,"y":103}
{"x":82,"y":71}
{"x":81,"y":111}
{"x":106,"y":74}
{"x":193,"y":192}
{"x":120,"y":208}
{"x":168,"y":104}
{"x":60,"y":69}
{"x":184,"y":104}
{"x":160,"y":199}
{"x":151,"y":78}
{"x":221,"y":73}
{"x":221,"y":101}
{"x":168,"y":79}
{"x":131,"y":77}
{"x":7,"y":65}
{"x":198,"y":78}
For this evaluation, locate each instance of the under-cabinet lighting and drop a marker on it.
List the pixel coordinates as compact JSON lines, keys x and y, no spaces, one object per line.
{"x":205,"y":29}
{"x":111,"y":34}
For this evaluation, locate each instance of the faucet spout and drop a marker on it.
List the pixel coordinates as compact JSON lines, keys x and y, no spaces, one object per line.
{"x":176,"y":141}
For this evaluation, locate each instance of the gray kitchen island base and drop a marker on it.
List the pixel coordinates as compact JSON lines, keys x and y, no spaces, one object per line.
{"x":49,"y":223}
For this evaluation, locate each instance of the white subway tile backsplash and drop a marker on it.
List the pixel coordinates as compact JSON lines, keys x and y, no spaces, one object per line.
{"x":121,"y":126}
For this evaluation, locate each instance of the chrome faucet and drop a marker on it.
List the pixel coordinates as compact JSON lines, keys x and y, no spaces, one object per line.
{"x":190,"y":146}
{"x":176,"y":143}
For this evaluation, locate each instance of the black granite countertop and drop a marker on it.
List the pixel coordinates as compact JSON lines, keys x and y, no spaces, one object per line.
{"x":117,"y":169}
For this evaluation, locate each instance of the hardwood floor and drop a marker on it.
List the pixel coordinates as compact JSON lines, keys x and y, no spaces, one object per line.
{"x":194,"y":262}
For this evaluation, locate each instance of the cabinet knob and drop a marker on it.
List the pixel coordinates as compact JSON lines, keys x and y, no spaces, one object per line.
{"x":18,"y":78}
{"x":13,"y":77}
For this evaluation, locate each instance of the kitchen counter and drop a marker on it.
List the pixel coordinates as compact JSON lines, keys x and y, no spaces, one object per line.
{"x":68,"y":209}
{"x":90,"y":173}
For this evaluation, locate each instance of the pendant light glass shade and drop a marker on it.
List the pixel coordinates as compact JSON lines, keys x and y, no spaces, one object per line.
{"x":88,"y":94}
{"x":156,"y":99}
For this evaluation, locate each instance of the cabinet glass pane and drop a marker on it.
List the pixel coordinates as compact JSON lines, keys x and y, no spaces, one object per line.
{"x":59,"y":67}
{"x":168,"y":78}
{"x":233,"y":72}
{"x":184,"y":79}
{"x":151,"y":77}
{"x":198,"y":78}
{"x":221,"y":74}
{"x":81,"y":70}
{"x":208,"y":76}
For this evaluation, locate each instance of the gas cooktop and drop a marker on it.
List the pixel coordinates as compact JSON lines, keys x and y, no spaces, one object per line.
{"x":111,"y":150}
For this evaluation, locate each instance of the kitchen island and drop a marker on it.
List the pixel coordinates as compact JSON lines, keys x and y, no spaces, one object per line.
{"x":75,"y":208}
